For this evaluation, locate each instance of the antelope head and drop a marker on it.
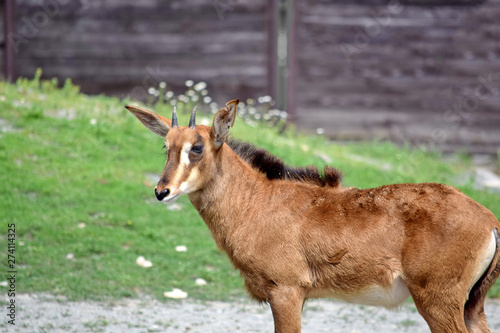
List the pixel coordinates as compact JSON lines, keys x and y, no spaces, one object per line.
{"x":191,"y":151}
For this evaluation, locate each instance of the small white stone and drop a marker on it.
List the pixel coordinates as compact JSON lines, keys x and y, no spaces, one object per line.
{"x":200,"y":282}
{"x":175,"y":293}
{"x":147,"y":264}
{"x":181,"y":248}
{"x":70,"y":256}
{"x":141,"y":261}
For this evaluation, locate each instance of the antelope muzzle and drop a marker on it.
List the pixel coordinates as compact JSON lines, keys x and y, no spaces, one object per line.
{"x":160,"y":195}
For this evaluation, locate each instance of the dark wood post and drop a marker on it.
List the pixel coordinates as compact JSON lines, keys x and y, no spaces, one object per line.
{"x":281,"y":54}
{"x":292,"y":13}
{"x":271,"y":48}
{"x":9,"y":64}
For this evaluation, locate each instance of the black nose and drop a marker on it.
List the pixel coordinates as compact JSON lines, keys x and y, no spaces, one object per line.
{"x":161,"y":195}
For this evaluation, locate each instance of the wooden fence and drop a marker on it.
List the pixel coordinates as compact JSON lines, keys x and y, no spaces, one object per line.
{"x":418,"y":71}
{"x":123,"y":47}
{"x":405,"y":72}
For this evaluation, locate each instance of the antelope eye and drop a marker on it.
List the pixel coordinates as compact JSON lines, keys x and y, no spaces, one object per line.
{"x":197,"y":149}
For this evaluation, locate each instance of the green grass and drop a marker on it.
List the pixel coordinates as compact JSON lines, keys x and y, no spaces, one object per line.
{"x":57,"y":173}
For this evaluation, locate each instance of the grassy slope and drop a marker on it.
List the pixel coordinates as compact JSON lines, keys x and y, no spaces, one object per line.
{"x":57,"y":173}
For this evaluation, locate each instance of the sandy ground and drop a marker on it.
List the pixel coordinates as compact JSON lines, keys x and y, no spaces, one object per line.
{"x":42,"y":313}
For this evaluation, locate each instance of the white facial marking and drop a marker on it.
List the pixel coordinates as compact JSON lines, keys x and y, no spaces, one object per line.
{"x":171,"y":199}
{"x":186,"y":148}
{"x":188,"y":186}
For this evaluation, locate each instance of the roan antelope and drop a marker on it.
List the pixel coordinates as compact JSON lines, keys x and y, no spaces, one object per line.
{"x":296,"y":233}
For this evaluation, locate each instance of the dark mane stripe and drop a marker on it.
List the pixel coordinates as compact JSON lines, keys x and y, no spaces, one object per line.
{"x":274,"y":168}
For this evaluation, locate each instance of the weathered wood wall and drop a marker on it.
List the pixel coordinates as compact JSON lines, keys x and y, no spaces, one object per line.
{"x":415,"y":70}
{"x":125,"y":46}
{"x":405,"y":72}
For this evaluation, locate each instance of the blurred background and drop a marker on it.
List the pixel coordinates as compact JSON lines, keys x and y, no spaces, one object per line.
{"x":419,"y":71}
{"x":388,"y":91}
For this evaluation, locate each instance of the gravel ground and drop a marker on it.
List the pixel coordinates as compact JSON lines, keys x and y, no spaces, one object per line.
{"x":42,"y":313}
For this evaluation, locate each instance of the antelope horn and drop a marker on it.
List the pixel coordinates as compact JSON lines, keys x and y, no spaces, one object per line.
{"x":174,"y":118}
{"x":192,"y":120}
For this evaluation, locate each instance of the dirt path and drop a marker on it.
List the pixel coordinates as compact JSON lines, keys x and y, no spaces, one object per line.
{"x":46,"y":314}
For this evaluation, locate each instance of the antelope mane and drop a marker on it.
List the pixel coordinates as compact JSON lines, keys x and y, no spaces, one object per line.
{"x":274,"y":167}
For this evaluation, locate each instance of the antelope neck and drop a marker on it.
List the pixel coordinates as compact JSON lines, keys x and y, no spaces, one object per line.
{"x":230,"y":196}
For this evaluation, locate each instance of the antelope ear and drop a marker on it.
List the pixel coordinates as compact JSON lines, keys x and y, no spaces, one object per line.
{"x":223,"y":120}
{"x":155,"y":123}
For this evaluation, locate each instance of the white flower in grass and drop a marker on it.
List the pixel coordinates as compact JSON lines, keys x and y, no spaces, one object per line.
{"x":183,"y":98}
{"x":93,"y":121}
{"x":250,"y":123}
{"x":200,"y":86}
{"x":169,"y":94}
{"x":189,"y":83}
{"x":163,"y":85}
{"x":70,"y":256}
{"x":207,"y":99}
{"x":265,"y":99}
